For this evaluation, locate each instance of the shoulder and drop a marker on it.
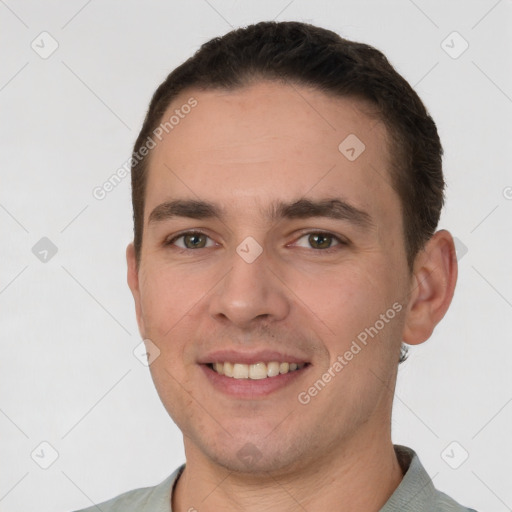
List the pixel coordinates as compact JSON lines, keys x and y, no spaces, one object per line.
{"x":446,"y":504}
{"x":416,"y":490}
{"x":136,"y":499}
{"x":150,"y":499}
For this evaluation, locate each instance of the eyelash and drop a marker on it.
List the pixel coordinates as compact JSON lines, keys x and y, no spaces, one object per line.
{"x":329,"y":250}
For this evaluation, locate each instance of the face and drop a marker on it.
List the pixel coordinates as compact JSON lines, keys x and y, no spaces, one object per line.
{"x":268,"y":245}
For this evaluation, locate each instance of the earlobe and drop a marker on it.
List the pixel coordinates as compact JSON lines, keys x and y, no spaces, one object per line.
{"x":435,"y":276}
{"x":133,"y":283}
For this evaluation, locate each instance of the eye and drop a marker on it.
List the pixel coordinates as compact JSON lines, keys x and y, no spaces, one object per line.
{"x":320,"y":240}
{"x":191,"y":240}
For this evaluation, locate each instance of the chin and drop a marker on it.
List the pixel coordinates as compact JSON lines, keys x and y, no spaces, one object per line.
{"x":252,"y":462}
{"x":258,"y":456}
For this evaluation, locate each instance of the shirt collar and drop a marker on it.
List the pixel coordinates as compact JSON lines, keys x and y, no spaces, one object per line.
{"x":416,"y":490}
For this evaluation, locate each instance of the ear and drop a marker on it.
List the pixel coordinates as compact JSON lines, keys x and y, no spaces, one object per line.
{"x":432,"y":287}
{"x":133,"y":283}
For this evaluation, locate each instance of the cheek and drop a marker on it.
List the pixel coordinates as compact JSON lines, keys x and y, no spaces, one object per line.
{"x":355,"y":304}
{"x":166,"y":298}
{"x":344,"y":298}
{"x":174,"y":305}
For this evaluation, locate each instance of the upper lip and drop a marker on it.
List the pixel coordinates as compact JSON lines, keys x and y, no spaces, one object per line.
{"x":252,"y":357}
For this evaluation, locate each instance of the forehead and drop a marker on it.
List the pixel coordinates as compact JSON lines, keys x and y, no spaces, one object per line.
{"x":275,"y":141}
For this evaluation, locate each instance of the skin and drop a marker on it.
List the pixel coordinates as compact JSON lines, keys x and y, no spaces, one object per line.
{"x":279,"y":142}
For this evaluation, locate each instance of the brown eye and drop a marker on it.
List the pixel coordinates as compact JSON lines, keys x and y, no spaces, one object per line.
{"x":190,"y":240}
{"x":194,"y":241}
{"x":320,"y":240}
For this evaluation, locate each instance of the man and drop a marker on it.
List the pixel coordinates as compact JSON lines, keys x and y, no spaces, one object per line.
{"x":287,"y":185}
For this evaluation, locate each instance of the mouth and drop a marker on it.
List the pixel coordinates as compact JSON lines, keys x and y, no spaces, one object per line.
{"x":254,"y":380}
{"x":256,"y":371}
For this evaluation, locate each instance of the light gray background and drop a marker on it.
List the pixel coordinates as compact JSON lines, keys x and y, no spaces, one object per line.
{"x":68,"y":329}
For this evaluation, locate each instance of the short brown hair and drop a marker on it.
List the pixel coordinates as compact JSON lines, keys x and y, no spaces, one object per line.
{"x":307,"y":55}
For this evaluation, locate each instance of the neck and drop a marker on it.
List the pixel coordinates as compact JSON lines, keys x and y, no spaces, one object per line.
{"x":359,"y":478}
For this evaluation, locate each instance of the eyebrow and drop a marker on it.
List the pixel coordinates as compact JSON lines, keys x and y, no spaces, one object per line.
{"x":300,"y":209}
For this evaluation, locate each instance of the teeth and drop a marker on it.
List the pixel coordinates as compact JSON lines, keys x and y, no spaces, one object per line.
{"x":240,"y":371}
{"x":255,"y":371}
{"x":228,"y":369}
{"x":272,"y":369}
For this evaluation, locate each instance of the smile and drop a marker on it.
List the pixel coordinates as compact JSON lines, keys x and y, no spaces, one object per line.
{"x":255,"y":371}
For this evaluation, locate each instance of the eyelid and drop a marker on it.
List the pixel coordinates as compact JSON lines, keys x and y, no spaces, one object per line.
{"x":341,"y":240}
{"x":171,"y":240}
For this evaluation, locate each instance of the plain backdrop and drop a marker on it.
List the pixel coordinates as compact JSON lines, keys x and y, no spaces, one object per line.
{"x":69,"y":378}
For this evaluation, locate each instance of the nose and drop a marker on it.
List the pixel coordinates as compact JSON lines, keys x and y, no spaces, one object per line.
{"x":251,"y":292}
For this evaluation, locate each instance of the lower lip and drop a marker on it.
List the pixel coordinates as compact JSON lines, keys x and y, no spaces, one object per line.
{"x":251,"y":388}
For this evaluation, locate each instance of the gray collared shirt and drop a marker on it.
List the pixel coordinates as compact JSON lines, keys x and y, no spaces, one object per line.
{"x":416,"y":493}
